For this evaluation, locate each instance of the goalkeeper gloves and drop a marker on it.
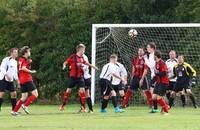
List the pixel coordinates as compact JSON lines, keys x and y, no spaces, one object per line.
{"x":193,"y":82}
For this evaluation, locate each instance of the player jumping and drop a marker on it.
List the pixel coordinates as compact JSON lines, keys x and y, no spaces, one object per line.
{"x":139,"y":79}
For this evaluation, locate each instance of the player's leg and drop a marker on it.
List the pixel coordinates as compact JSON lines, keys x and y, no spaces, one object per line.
{"x":87,"y":93}
{"x":2,"y":91}
{"x":154,"y":101}
{"x":183,"y":100}
{"x":13,"y":94}
{"x":13,"y":99}
{"x":171,"y":99}
{"x":156,"y":91}
{"x":147,"y":92}
{"x":1,"y":98}
{"x":89,"y":101}
{"x":19,"y":103}
{"x":105,"y":92}
{"x":114,"y":101}
{"x":67,"y":92}
{"x":134,"y":85}
{"x":159,"y":92}
{"x":192,"y":98}
{"x":82,"y":95}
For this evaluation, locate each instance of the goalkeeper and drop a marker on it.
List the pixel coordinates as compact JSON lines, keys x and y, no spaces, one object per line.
{"x":186,"y":80}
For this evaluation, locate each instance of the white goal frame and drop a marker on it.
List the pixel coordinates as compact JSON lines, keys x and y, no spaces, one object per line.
{"x":95,"y":26}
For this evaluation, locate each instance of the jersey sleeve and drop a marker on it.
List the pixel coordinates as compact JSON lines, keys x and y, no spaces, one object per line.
{"x":69,"y":59}
{"x":3,"y":66}
{"x":145,"y":66}
{"x":191,"y":70}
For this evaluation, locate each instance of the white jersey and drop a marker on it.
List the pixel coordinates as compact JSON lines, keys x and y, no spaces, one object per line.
{"x":86,"y":71}
{"x":121,"y":72}
{"x":9,"y":67}
{"x":170,"y":65}
{"x":107,"y":71}
{"x":150,"y":63}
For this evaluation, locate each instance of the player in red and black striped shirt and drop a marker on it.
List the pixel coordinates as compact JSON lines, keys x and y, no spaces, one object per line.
{"x":76,"y":62}
{"x":162,"y":81}
{"x":139,"y":79}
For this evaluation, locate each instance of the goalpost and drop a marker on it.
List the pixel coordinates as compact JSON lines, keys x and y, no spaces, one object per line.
{"x":113,"y":38}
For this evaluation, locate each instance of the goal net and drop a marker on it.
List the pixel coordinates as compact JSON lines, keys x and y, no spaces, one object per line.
{"x":114,"y":38}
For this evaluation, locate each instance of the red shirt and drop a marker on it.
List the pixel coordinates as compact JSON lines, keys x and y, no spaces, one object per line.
{"x":76,"y":63}
{"x":23,"y":75}
{"x":140,"y":66}
{"x":162,"y":67}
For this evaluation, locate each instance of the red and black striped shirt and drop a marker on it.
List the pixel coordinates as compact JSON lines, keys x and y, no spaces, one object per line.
{"x":161,"y":67}
{"x":75,"y":63}
{"x":140,"y":66}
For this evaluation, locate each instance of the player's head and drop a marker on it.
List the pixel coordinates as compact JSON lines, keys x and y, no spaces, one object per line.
{"x":180,"y":59}
{"x":13,"y":52}
{"x":80,"y":48}
{"x":26,"y":51}
{"x":151,"y":47}
{"x":113,"y":58}
{"x":141,"y":52}
{"x":172,"y":54}
{"x":157,"y":55}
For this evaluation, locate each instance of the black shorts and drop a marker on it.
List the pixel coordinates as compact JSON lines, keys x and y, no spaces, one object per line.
{"x":160,"y":89}
{"x":106,"y":87}
{"x":79,"y":82}
{"x":134,"y":84}
{"x":27,"y":87}
{"x":5,"y":85}
{"x":171,"y":86}
{"x":87,"y":83}
{"x":179,"y":86}
{"x":118,"y":87}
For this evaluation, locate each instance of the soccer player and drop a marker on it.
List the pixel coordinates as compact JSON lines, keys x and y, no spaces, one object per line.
{"x":149,"y":60}
{"x":117,"y":84}
{"x":172,"y":80}
{"x":171,"y":62}
{"x":185,"y":80}
{"x":26,"y":82}
{"x":139,"y":79}
{"x":76,"y":62}
{"x":162,"y":81}
{"x":9,"y":74}
{"x":108,"y":72}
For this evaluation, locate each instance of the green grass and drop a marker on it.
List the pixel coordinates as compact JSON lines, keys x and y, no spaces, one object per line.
{"x":45,"y":117}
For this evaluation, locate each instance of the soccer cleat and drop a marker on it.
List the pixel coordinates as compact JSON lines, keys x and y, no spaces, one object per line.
{"x":154,"y":111}
{"x":103,"y":110}
{"x":15,"y":113}
{"x":90,"y":111}
{"x":61,"y":108}
{"x":118,"y":110}
{"x":25,"y":109}
{"x":195,"y":106}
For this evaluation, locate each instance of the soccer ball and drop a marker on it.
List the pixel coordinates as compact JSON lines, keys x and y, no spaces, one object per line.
{"x":132,"y":33}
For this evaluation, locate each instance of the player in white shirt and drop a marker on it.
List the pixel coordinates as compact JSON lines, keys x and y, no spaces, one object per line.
{"x":87,"y":79}
{"x":117,"y":84}
{"x":9,"y":74}
{"x":108,"y":72}
{"x":150,"y":61}
{"x":170,"y":65}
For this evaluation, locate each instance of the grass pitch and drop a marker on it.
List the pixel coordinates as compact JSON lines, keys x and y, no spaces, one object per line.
{"x":46,"y":117}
